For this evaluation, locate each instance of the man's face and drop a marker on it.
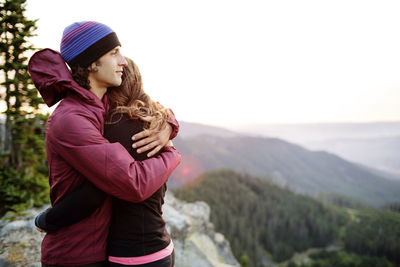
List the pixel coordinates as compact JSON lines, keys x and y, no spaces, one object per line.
{"x":107,"y":70}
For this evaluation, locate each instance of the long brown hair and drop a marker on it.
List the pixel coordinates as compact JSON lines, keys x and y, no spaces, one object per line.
{"x":130,"y":98}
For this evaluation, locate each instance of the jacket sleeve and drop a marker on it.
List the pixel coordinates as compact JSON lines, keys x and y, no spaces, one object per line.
{"x":108,"y":165}
{"x":172,"y":121}
{"x":175,"y":125}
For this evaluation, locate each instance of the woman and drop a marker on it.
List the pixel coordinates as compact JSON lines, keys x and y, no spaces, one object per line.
{"x":137,"y":236}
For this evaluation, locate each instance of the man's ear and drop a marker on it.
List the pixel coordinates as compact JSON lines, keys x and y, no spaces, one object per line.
{"x":92,"y":67}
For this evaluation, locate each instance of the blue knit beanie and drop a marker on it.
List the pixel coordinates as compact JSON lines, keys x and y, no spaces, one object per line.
{"x":86,"y":41}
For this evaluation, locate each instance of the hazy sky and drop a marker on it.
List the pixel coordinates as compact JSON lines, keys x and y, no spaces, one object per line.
{"x":238,"y":62}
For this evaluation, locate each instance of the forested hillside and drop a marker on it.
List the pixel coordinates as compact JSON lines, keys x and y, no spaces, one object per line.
{"x":263,"y":221}
{"x":288,"y":164}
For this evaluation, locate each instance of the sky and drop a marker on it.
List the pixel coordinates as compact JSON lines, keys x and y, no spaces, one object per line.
{"x":232,"y":63}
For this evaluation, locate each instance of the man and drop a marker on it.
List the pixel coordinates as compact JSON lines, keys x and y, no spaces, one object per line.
{"x":76,"y":149}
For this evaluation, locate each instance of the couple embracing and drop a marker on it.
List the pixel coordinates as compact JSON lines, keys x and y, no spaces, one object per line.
{"x":109,"y":155}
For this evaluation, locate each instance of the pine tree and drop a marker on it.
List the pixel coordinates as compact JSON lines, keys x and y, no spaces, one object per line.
{"x":23,"y":170}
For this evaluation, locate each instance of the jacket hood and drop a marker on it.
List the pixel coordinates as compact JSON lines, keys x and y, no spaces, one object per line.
{"x":53,"y":79}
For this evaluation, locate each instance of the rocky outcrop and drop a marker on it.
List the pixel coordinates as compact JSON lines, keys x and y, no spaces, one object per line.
{"x":196,"y":243}
{"x":19,"y":240}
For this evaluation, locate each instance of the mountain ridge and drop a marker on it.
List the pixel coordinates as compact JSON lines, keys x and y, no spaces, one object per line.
{"x":300,"y":169}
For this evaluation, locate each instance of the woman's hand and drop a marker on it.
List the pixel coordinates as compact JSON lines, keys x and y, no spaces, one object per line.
{"x":37,"y":225}
{"x":152,"y":140}
{"x":40,"y":230}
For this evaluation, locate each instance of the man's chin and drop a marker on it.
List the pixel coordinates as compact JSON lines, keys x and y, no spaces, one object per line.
{"x":115,"y":84}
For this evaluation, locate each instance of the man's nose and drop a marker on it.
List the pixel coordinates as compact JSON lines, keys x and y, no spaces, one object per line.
{"x":123,"y":61}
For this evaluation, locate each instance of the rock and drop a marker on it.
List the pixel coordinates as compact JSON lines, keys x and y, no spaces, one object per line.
{"x":219,"y":239}
{"x":177,"y":223}
{"x":196,"y":244}
{"x":5,"y":263}
{"x":19,"y":240}
{"x":17,"y":226}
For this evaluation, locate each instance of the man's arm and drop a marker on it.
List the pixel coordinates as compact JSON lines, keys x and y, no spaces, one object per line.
{"x":85,"y":199}
{"x":109,"y":166}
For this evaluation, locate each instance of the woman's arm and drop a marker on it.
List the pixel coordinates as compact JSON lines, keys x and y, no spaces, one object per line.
{"x":76,"y":206}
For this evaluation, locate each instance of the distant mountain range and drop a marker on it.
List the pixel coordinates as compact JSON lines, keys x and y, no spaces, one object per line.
{"x":312,"y":132}
{"x":290,"y":165}
{"x":382,"y":153}
{"x":188,"y":129}
{"x":373,"y":144}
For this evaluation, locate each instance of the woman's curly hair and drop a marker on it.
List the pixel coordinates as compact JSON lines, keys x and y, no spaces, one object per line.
{"x":130,"y":98}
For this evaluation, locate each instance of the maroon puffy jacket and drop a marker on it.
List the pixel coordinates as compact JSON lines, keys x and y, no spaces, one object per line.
{"x":76,"y":150}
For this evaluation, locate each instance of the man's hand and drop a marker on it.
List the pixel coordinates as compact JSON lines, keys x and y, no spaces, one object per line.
{"x":152,"y":140}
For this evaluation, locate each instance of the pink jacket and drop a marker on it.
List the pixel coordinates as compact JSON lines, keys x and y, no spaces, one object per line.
{"x":76,"y":150}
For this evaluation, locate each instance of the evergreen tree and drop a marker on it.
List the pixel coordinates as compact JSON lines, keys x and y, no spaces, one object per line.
{"x":22,"y":167}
